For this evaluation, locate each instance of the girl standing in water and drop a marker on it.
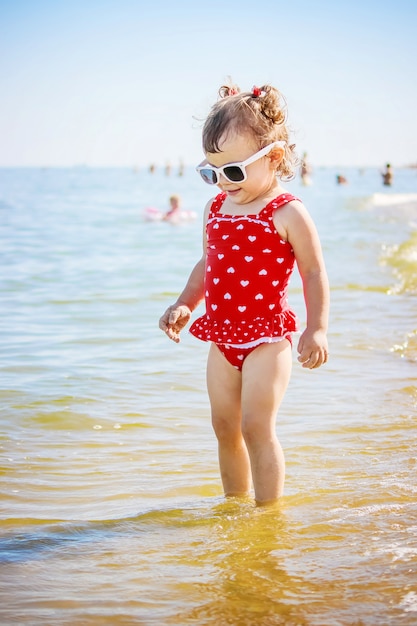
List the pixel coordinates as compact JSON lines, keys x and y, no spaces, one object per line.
{"x":254,"y":232}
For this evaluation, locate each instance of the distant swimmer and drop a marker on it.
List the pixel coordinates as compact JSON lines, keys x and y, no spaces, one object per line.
{"x":305,"y":171}
{"x":387,"y":175}
{"x":341,"y":180}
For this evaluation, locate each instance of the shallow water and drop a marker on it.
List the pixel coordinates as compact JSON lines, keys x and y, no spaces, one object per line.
{"x":111,"y":503}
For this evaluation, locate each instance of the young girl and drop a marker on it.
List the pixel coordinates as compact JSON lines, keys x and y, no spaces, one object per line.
{"x":254,"y":231}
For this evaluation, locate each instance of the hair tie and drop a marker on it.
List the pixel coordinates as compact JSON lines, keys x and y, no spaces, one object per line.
{"x":233,"y":91}
{"x":257,"y":92}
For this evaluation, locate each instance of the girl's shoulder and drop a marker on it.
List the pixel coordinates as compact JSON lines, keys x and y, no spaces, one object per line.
{"x":282,"y":219}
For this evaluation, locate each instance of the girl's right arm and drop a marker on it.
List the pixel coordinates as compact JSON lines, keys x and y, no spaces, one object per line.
{"x":177,"y":316}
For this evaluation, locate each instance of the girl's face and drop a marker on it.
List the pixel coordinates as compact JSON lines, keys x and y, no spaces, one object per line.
{"x":261,"y":175}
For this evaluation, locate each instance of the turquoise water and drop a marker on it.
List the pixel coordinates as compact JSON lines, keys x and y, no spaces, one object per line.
{"x":111,"y":503}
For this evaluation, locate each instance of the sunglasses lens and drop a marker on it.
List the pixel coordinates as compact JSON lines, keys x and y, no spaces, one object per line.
{"x":234,"y":173}
{"x":209,"y":176}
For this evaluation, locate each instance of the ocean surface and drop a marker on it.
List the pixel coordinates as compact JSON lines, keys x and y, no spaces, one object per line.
{"x":112,"y":510}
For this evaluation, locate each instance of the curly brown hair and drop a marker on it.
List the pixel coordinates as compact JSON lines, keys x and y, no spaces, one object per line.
{"x":261,"y":112}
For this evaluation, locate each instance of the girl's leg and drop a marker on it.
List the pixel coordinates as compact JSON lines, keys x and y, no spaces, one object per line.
{"x":224,"y":389}
{"x":265,"y":376}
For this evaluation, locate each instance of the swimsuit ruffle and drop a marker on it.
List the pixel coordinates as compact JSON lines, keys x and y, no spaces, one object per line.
{"x":242,"y":332}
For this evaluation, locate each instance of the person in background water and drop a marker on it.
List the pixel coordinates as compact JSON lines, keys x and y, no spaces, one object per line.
{"x":387,"y":175}
{"x":341,"y":180}
{"x":254,"y":232}
{"x":175,"y":210}
{"x":305,"y":170}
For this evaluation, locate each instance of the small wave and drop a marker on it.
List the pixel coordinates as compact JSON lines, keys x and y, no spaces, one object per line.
{"x":409,"y":602}
{"x":45,"y":536}
{"x":365,"y":511}
{"x":392,"y":199}
{"x":403,"y":260}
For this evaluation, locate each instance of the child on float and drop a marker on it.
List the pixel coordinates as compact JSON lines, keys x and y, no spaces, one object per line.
{"x":175,"y":208}
{"x":254,"y":233}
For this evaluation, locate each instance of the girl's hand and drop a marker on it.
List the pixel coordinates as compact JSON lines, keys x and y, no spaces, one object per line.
{"x":173,"y":321}
{"x":312,"y":349}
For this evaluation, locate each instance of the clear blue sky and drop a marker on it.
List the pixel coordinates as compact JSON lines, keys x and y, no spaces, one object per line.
{"x":127,"y":82}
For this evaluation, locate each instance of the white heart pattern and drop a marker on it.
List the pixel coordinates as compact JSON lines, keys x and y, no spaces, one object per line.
{"x":247,"y":322}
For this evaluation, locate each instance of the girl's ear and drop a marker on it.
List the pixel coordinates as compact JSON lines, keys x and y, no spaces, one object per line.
{"x":276,"y":155}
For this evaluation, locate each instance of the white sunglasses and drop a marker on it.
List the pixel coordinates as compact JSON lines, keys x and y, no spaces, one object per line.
{"x":233,"y":172}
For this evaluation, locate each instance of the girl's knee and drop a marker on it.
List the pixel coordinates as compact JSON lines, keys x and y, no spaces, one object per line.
{"x":256,"y":432}
{"x":225,"y":428}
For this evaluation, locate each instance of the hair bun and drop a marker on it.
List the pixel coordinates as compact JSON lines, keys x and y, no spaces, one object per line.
{"x":228,"y":90}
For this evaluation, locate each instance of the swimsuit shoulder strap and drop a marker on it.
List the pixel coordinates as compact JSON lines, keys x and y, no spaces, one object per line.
{"x":217,"y":203}
{"x":277,"y":203}
{"x":281,"y":200}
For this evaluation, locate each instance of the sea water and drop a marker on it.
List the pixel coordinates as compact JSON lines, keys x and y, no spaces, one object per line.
{"x":112,"y":509}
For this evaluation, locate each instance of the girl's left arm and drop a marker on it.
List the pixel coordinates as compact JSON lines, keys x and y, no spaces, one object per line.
{"x":304,"y":238}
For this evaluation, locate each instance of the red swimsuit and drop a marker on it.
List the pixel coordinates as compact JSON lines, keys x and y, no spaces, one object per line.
{"x":248,"y":267}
